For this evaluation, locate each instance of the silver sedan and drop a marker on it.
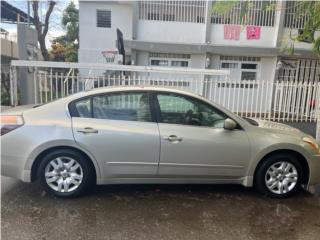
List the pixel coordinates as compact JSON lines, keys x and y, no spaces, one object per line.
{"x":152,"y":135}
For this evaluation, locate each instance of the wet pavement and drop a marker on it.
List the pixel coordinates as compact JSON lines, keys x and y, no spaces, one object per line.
{"x":156,"y":212}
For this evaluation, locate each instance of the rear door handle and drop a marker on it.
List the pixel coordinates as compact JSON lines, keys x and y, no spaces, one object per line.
{"x":87,"y":130}
{"x":173,"y":138}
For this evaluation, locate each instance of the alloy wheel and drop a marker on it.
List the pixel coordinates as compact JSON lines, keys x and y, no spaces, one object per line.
{"x":63,"y":174}
{"x":281,"y":177}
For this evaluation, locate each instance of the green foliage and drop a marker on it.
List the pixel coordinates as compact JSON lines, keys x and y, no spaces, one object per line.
{"x":71,"y":54}
{"x":65,"y":47}
{"x":308,"y":34}
{"x":223,"y":7}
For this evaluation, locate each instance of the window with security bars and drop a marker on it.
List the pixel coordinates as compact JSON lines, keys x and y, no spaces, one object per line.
{"x":170,"y":55}
{"x":104,"y":18}
{"x":257,"y":12}
{"x":169,"y":59}
{"x":169,"y":11}
{"x":244,"y":68}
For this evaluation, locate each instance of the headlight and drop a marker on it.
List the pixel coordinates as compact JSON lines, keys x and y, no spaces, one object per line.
{"x":10,"y":122}
{"x":312,"y":143}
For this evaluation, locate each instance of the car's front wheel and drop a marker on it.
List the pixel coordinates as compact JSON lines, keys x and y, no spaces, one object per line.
{"x":279,"y":176}
{"x":65,"y":173}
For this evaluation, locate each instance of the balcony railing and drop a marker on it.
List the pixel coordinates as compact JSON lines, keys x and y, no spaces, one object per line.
{"x":173,"y":11}
{"x":294,"y":19}
{"x":258,"y":13}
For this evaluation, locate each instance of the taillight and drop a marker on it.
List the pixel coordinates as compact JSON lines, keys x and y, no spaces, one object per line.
{"x":10,"y":122}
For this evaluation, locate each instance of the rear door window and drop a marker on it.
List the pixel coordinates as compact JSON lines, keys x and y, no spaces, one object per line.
{"x":127,"y":106}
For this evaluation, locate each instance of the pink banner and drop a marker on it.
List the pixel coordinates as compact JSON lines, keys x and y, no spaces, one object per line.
{"x":253,"y":32}
{"x":232,"y":32}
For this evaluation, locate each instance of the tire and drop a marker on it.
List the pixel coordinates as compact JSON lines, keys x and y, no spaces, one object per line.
{"x":272,"y":183}
{"x":66,"y":173}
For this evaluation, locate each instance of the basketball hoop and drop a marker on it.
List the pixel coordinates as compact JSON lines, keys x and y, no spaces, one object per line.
{"x":110,"y":55}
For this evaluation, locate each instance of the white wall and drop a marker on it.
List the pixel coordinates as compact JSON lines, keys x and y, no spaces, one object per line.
{"x":176,"y":32}
{"x":93,"y":40}
{"x":267,"y":37}
{"x":142,"y":58}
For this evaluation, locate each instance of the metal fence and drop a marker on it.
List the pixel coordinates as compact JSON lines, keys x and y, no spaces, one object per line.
{"x":265,"y":99}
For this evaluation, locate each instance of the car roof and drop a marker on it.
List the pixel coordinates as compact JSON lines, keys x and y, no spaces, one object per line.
{"x":131,"y":88}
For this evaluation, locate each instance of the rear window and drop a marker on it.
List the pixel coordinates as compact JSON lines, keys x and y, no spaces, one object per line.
{"x":127,"y":106}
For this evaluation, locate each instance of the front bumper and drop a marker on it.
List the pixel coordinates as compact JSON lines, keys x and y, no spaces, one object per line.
{"x":314,"y":175}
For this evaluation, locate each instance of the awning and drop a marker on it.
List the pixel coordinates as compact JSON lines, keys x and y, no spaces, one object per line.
{"x":10,"y":13}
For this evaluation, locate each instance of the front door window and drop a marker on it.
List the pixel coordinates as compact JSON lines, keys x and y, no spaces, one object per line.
{"x":177,"y":109}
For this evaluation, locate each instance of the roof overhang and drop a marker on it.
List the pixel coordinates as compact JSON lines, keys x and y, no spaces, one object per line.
{"x":12,"y":14}
{"x":213,"y":49}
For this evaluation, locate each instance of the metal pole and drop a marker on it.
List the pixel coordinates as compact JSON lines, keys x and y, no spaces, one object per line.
{"x":318,"y":115}
{"x":28,"y":4}
{"x":11,"y":87}
{"x":318,"y":127}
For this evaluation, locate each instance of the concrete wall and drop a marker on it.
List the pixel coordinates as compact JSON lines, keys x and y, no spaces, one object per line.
{"x":9,"y":48}
{"x":177,"y":32}
{"x":267,"y":37}
{"x":93,"y":40}
{"x":28,"y":50}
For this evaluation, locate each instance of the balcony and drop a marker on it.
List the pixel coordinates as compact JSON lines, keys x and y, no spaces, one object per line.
{"x":259,"y":15}
{"x":181,"y":21}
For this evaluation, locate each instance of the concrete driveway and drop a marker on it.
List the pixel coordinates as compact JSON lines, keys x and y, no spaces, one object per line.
{"x":157,"y":212}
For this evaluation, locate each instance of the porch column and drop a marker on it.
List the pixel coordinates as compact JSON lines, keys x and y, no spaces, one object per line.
{"x":28,"y":50}
{"x":279,"y":22}
{"x":207,"y":21}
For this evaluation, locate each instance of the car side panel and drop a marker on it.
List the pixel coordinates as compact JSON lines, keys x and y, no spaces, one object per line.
{"x":43,"y":128}
{"x":122,"y":148}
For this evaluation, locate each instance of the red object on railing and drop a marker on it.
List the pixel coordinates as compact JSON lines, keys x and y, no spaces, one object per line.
{"x":312,"y":103}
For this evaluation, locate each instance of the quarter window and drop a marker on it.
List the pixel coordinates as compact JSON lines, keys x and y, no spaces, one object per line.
{"x":122,"y":106}
{"x":83,"y":108}
{"x":177,"y":109}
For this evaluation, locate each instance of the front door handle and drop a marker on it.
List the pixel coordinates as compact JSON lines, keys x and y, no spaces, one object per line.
{"x":173,"y":138}
{"x":87,"y":130}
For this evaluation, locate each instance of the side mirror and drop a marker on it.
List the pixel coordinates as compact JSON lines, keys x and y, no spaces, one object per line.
{"x":229,"y":124}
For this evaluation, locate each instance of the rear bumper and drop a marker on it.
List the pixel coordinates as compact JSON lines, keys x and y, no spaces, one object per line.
{"x":12,"y":166}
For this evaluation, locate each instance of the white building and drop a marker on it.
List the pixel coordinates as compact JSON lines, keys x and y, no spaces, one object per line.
{"x":186,"y":34}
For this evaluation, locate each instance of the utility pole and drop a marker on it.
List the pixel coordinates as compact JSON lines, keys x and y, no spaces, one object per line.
{"x":318,"y":122}
{"x":28,"y":17}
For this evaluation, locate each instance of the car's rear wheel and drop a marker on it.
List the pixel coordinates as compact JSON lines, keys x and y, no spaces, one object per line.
{"x":279,"y":176}
{"x":66,"y":173}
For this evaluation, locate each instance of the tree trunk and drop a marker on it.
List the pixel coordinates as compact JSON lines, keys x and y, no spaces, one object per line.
{"x":43,"y":47}
{"x":42,"y":28}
